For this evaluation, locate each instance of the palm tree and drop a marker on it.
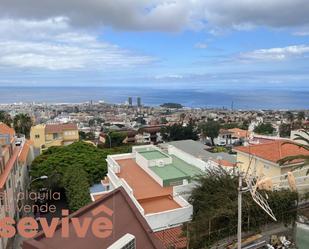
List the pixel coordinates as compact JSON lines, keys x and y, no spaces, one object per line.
{"x":5,"y":118}
{"x":301,"y":116}
{"x":304,"y":145}
{"x":22,"y":124}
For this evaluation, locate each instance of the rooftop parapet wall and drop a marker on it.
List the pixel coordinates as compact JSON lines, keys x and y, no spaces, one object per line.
{"x":202,"y":165}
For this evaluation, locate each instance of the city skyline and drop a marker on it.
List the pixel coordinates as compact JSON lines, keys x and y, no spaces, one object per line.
{"x":164,"y":44}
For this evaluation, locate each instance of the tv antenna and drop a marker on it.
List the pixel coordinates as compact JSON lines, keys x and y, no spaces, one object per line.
{"x":252,"y":186}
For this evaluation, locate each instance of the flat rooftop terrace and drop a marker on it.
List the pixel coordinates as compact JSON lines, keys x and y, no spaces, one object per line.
{"x":176,"y":171}
{"x":152,"y":154}
{"x":152,"y":197}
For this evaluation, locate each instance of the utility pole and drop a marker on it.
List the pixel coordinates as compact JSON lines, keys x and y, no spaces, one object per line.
{"x":239,"y":210}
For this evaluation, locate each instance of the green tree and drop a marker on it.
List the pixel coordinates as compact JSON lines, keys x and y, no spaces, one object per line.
{"x":285,"y":130}
{"x":60,"y":163}
{"x":178,"y":132}
{"x":210,"y":129}
{"x":86,"y":135}
{"x":115,"y":139}
{"x":76,"y":187}
{"x":163,"y":120}
{"x":264,"y":129}
{"x":290,"y":116}
{"x":55,"y":161}
{"x":22,"y":124}
{"x":5,"y":118}
{"x":301,"y":116}
{"x":214,"y":203}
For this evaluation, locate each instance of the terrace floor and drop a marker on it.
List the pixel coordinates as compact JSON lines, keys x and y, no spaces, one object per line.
{"x":161,"y":204}
{"x":147,"y":191}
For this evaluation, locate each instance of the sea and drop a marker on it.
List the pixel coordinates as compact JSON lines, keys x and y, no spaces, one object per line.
{"x":196,"y":98}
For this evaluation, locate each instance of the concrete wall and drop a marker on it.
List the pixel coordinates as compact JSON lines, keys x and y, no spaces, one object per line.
{"x":170,"y":218}
{"x":187,"y":158}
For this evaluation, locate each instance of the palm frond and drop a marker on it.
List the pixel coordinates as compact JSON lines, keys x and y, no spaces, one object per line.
{"x":292,"y":158}
{"x":304,"y":146}
{"x":301,"y":138}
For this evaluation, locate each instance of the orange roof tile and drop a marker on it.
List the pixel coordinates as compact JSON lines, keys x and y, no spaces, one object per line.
{"x":24,"y":151}
{"x":225,"y":163}
{"x":172,"y":237}
{"x":4,"y":129}
{"x":56,"y":128}
{"x":8,"y":167}
{"x":239,"y":132}
{"x":273,"y":151}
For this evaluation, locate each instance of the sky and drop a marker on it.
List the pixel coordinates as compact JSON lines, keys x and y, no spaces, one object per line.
{"x":198,"y":44}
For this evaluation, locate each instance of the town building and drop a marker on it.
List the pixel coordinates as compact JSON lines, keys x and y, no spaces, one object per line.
{"x":128,"y":230}
{"x":232,"y":136}
{"x":262,"y":159}
{"x":48,"y":135}
{"x":149,"y":134}
{"x":16,"y":154}
{"x":199,"y":150}
{"x":159,"y":182}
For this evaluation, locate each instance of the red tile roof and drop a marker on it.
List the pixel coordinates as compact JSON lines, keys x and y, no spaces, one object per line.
{"x":172,"y":237}
{"x":8,"y":168}
{"x":273,"y":151}
{"x":4,"y":129}
{"x":225,"y":163}
{"x":57,"y":128}
{"x":24,"y":151}
{"x":240,"y":133}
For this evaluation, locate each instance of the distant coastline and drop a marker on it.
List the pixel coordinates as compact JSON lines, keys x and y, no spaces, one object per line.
{"x":239,"y":99}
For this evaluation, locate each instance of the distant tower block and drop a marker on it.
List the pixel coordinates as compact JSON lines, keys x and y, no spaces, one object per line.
{"x":130,"y":101}
{"x":139,"y":101}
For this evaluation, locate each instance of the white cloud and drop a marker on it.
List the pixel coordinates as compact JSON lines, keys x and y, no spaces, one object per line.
{"x":276,"y":53}
{"x":164,"y":15}
{"x":52,"y":44}
{"x":201,"y":45}
{"x":301,"y":33}
{"x":168,"y":76}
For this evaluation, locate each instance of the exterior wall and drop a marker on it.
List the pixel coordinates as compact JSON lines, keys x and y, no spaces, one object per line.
{"x":184,"y":190}
{"x":8,"y":205}
{"x":170,"y":218}
{"x":44,"y":140}
{"x":70,"y":135}
{"x":258,"y":166}
{"x":37,"y":135}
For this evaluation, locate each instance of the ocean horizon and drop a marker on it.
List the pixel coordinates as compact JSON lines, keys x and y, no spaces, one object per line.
{"x":195,"y":98}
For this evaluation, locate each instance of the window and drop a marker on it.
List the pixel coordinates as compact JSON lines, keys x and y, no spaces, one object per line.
{"x":55,"y":135}
{"x":266,"y":166}
{"x":37,"y":136}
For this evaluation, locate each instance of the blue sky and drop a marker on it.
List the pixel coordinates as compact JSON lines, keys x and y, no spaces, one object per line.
{"x":229,"y":44}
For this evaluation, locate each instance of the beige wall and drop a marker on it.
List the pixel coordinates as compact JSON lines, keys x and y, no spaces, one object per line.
{"x":37,"y":135}
{"x":71,"y":135}
{"x":261,"y":166}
